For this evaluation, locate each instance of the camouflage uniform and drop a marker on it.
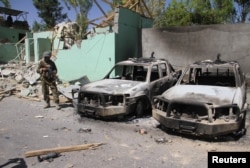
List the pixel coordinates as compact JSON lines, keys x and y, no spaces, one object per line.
{"x":48,"y":70}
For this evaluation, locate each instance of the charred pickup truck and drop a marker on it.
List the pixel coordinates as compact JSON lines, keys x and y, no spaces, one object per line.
{"x":209,"y":100}
{"x":126,"y":89}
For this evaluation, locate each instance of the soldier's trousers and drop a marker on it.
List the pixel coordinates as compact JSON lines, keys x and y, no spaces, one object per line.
{"x":45,"y":90}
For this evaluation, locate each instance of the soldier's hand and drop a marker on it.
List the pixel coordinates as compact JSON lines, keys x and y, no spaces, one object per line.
{"x":54,"y":75}
{"x":42,"y":69}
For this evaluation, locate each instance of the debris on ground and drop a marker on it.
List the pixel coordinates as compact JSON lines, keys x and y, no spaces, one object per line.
{"x":163,"y":140}
{"x":39,"y":116}
{"x":66,"y":89}
{"x":141,"y":131}
{"x":84,"y":130}
{"x":19,"y":80}
{"x":63,"y":129}
{"x":49,"y":157}
{"x":62,"y":149}
{"x":24,"y":82}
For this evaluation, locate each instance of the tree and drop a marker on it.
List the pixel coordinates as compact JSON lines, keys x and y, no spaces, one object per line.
{"x":81,"y":8}
{"x":119,"y":2}
{"x":36,"y":27}
{"x":201,"y":12}
{"x":6,"y":3}
{"x":225,"y":10}
{"x":177,"y":13}
{"x":50,"y":12}
{"x":241,"y":10}
{"x":154,"y":7}
{"x":211,"y":12}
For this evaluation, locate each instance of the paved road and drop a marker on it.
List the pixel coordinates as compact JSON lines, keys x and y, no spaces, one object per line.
{"x":26,"y":126}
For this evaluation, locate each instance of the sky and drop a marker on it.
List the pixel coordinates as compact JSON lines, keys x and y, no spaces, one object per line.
{"x":27,"y":6}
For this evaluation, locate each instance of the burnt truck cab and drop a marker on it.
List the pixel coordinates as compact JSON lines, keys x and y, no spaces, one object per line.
{"x":209,"y":99}
{"x":127,"y":89}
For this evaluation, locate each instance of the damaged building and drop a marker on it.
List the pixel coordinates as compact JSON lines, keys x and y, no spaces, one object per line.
{"x":123,"y":34}
{"x":78,"y":61}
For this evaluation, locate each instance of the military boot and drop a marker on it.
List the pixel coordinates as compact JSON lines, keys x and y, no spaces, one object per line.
{"x":47,"y":105}
{"x":58,"y":107}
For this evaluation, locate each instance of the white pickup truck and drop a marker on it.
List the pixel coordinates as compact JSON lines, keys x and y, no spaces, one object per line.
{"x":127,"y":89}
{"x":209,"y":100}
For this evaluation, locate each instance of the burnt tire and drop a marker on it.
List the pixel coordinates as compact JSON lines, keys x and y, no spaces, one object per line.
{"x":139,"y":110}
{"x":242,"y":129}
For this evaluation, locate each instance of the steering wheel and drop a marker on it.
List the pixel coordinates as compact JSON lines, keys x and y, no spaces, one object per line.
{"x":140,"y":78}
{"x":129,"y":76}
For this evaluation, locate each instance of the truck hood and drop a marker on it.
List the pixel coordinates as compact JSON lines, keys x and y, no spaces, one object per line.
{"x":205,"y":94}
{"x":113,"y":86}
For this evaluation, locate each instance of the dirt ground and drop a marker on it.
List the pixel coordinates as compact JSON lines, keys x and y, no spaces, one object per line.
{"x":139,"y":143}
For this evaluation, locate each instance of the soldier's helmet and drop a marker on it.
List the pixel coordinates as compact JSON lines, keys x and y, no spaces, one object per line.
{"x":47,"y":54}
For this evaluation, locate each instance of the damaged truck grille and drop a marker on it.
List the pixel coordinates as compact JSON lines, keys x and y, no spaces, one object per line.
{"x":197,"y":111}
{"x":96,"y":99}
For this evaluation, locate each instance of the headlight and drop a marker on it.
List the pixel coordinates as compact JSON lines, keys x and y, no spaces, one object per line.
{"x":227,"y":112}
{"x":114,"y":100}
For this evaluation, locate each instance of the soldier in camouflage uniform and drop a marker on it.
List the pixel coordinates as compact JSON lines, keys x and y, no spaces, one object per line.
{"x":48,"y":70}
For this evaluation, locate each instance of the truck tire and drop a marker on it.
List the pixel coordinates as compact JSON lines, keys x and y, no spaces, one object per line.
{"x":139,"y":108}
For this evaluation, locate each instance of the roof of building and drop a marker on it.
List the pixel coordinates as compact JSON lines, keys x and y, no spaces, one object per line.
{"x":12,"y":12}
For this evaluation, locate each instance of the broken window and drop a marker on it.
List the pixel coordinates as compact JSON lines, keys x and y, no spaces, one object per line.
{"x":163,"y":68}
{"x":215,"y":76}
{"x":128,"y":72}
{"x":116,"y":73}
{"x":154,"y":73}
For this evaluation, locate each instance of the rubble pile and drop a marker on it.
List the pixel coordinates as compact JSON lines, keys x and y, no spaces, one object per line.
{"x":24,"y":82}
{"x":19,"y":80}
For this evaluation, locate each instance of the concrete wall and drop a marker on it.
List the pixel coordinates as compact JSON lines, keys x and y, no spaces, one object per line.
{"x":11,"y":35}
{"x":8,"y":39}
{"x":94,"y":59}
{"x":8,"y":52}
{"x":42,"y":42}
{"x":183,"y":45}
{"x":103,"y":48}
{"x":128,"y":26}
{"x":98,"y":53}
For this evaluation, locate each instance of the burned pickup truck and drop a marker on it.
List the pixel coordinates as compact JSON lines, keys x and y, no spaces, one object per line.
{"x":209,"y":100}
{"x":126,"y":89}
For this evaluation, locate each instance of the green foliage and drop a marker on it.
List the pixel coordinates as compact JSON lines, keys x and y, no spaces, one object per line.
{"x":212,"y":12}
{"x":6,"y":3}
{"x":200,"y":12}
{"x":36,"y":27}
{"x":177,"y":13}
{"x":119,"y":2}
{"x":82,"y":8}
{"x":50,"y":12}
{"x":155,"y":7}
{"x":82,"y":22}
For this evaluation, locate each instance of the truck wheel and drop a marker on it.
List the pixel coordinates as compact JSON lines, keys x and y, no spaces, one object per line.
{"x":243,"y":126}
{"x":139,"y":108}
{"x":242,"y":129}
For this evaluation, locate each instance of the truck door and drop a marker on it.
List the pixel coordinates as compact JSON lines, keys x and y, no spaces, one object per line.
{"x":167,"y":77}
{"x":157,"y":81}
